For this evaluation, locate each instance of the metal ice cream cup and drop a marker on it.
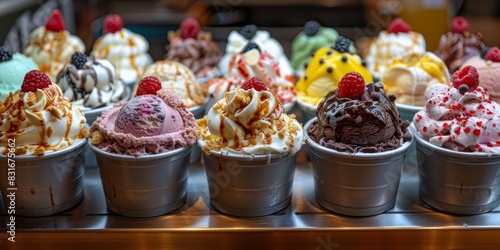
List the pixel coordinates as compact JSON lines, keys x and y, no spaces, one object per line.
{"x":457,"y":182}
{"x":46,"y":184}
{"x":144,"y":186}
{"x":249,"y":185}
{"x":360,"y":184}
{"x":308,"y":110}
{"x":198,"y":112}
{"x":407,"y":112}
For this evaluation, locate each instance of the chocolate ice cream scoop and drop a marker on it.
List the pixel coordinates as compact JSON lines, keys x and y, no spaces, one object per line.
{"x":370,"y":123}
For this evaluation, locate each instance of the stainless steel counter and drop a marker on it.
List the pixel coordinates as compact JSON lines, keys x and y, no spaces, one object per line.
{"x":302,"y":225}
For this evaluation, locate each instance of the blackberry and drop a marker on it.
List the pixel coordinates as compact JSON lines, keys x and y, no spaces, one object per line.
{"x":311,"y":28}
{"x":5,"y":54}
{"x":251,"y":46}
{"x":484,"y":50}
{"x":248,"y":31}
{"x":78,"y":59}
{"x":342,"y":44}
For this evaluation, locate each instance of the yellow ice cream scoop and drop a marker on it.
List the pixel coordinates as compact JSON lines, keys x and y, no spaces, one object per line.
{"x":408,"y":77}
{"x":324,"y":71}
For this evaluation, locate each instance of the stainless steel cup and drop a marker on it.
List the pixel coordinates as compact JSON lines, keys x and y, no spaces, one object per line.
{"x":457,"y":182}
{"x":249,"y":185}
{"x":46,"y":184}
{"x":144,"y":186}
{"x":360,"y":184}
{"x":198,"y":112}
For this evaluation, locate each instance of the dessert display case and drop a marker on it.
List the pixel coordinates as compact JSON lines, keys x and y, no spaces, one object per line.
{"x":302,"y":225}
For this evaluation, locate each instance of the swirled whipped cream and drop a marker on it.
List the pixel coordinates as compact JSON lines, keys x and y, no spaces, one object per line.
{"x":128,"y":51}
{"x":249,"y":122}
{"x":40,"y":122}
{"x":92,"y":86}
{"x":52,"y":50}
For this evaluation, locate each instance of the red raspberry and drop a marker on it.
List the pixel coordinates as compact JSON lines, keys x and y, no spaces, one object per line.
{"x":352,"y":85}
{"x":459,"y":25}
{"x":398,"y":25}
{"x":55,"y":22}
{"x":254,"y":83}
{"x":112,"y":23}
{"x":34,"y":80}
{"x":149,"y":85}
{"x":493,"y":54}
{"x":468,"y":76}
{"x":189,"y":28}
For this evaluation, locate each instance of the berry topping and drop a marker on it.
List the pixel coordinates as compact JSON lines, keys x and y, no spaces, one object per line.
{"x":251,"y":46}
{"x":248,"y":31}
{"x":398,"y":25}
{"x":459,"y":25}
{"x":483,"y":52}
{"x":311,"y":28}
{"x":112,"y":23}
{"x":463,"y":89}
{"x":342,"y":44}
{"x":5,"y":54}
{"x":189,"y":28}
{"x":352,"y":85}
{"x":78,"y":59}
{"x":149,"y":85}
{"x":55,"y":22}
{"x":468,"y":76}
{"x":254,"y":83}
{"x":493,"y":54}
{"x":34,"y":80}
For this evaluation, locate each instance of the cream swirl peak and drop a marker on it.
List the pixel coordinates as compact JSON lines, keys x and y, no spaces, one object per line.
{"x":249,"y":122}
{"x":128,"y":51}
{"x":91,"y":83}
{"x":40,"y":121}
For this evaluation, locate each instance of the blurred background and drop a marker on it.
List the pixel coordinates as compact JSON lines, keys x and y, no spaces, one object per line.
{"x":356,"y":19}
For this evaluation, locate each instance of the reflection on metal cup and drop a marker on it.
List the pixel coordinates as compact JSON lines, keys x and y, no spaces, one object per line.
{"x":249,"y":185}
{"x":144,"y":186}
{"x":457,"y":182}
{"x":46,"y":184}
{"x":360,"y":184}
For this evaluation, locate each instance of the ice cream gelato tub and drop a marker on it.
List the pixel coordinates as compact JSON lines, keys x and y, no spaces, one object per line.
{"x":144,"y":186}
{"x":46,"y":184}
{"x":249,"y":185}
{"x":198,"y":112}
{"x":407,"y":112}
{"x":360,"y":184}
{"x":308,"y":110}
{"x":457,"y":182}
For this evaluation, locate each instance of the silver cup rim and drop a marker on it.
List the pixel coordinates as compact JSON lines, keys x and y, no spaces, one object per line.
{"x":446,"y":151}
{"x":198,"y":108}
{"x":304,"y":106}
{"x":137,"y":158}
{"x":51,"y":154}
{"x":246,"y":157}
{"x":410,"y":108}
{"x":358,"y":155}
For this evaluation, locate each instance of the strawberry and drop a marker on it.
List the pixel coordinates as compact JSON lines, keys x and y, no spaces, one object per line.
{"x":459,"y":25}
{"x":148,"y":85}
{"x":493,"y":54}
{"x":398,"y":25}
{"x":55,"y":22}
{"x":254,"y":83}
{"x":352,"y":85}
{"x":189,"y":28}
{"x":34,"y":80}
{"x":112,"y":23}
{"x":468,"y":76}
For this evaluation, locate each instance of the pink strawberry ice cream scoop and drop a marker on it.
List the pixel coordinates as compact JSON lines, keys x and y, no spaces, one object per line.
{"x":147,"y":124}
{"x":461,"y":117}
{"x":147,"y":115}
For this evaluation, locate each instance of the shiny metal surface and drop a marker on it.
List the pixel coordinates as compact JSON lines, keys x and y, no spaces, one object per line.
{"x":410,"y":224}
